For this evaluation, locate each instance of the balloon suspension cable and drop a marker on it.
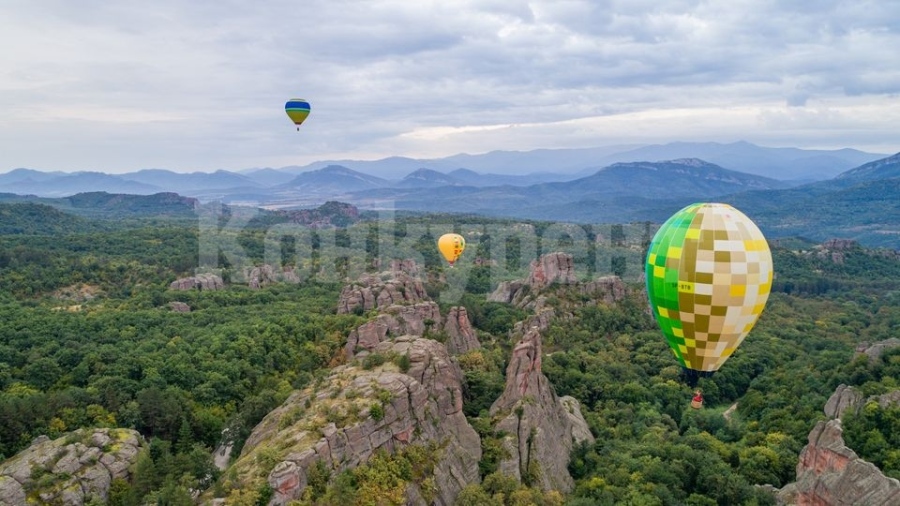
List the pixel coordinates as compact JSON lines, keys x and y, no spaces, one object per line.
{"x":692,"y":376}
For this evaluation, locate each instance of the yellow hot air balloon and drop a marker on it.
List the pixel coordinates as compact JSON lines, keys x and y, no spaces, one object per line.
{"x":451,"y":246}
{"x":709,"y":272}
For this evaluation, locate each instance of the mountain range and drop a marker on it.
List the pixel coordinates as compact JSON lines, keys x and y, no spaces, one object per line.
{"x":861,"y":201}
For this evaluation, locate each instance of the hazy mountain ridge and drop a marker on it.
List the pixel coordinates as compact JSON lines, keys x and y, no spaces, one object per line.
{"x":496,"y":168}
{"x":860,"y":203}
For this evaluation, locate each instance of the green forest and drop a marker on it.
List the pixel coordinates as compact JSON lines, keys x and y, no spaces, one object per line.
{"x":88,"y":338}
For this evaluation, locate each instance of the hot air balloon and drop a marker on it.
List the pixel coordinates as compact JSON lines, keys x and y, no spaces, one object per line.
{"x":451,"y":246}
{"x":297,"y":109}
{"x":709,"y":272}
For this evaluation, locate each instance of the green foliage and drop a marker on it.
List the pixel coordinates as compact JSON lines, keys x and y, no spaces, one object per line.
{"x":87,"y":339}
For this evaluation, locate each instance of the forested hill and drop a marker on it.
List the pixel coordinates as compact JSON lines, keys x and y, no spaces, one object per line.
{"x":39,"y":219}
{"x":92,"y":334}
{"x":114,"y":205}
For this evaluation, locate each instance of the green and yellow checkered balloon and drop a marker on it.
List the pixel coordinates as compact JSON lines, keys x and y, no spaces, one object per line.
{"x":709,"y":272}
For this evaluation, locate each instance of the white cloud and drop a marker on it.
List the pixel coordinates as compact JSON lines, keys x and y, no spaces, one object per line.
{"x":200,"y":85}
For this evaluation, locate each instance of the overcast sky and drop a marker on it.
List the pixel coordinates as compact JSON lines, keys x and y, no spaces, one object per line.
{"x":185,"y":85}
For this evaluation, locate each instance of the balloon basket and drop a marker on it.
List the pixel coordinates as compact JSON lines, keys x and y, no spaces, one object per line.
{"x":696,"y":404}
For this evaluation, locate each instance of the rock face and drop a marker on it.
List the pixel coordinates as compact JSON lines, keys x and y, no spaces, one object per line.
{"x":843,"y":398}
{"x":546,"y":270}
{"x":356,"y":412}
{"x":394,"y":321}
{"x":378,"y":291}
{"x":260,"y":276}
{"x":461,"y":335}
{"x":541,"y":428}
{"x":829,"y":473}
{"x":607,"y":289}
{"x":557,"y":268}
{"x":80,"y":466}
{"x":199,"y":282}
{"x":551,"y":268}
{"x":874,"y":351}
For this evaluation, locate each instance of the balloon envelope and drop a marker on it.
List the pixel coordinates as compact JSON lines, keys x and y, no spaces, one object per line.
{"x":451,"y":246}
{"x":709,"y":272}
{"x":297,"y":109}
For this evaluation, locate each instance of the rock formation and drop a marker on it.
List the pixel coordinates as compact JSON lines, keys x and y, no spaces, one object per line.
{"x":262,"y":275}
{"x":179,"y":307}
{"x":874,"y":351}
{"x":394,"y":321}
{"x":556,"y":268}
{"x":843,"y":398}
{"x":378,"y":291}
{"x":356,"y":412}
{"x":546,"y":270}
{"x":541,"y":428}
{"x":830,"y":473}
{"x":607,"y":289}
{"x":199,"y":282}
{"x":69,"y":470}
{"x":461,"y":335}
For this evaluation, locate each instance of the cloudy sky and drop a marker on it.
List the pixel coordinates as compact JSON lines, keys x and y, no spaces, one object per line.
{"x":200,"y":85}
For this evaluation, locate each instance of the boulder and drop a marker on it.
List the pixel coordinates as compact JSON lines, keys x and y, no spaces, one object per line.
{"x":179,"y":307}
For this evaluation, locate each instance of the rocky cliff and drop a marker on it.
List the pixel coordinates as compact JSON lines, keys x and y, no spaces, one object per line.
{"x":356,"y":412}
{"x":404,"y":309}
{"x":551,"y":269}
{"x":829,"y":472}
{"x":378,"y":291}
{"x":541,"y":428}
{"x":543,"y":272}
{"x":71,"y":470}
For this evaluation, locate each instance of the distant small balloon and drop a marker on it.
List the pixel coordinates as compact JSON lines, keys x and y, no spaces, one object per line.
{"x":451,"y":246}
{"x":709,"y":272}
{"x":297,"y":109}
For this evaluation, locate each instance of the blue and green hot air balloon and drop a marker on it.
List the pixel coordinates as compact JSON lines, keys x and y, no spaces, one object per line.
{"x":297,"y":109}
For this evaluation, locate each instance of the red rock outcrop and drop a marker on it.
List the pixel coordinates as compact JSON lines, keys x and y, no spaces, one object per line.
{"x":544,"y":271}
{"x":830,"y":474}
{"x":461,"y":335}
{"x":541,"y":428}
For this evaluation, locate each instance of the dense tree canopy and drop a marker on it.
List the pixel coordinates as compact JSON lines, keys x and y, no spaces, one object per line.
{"x":88,"y":338}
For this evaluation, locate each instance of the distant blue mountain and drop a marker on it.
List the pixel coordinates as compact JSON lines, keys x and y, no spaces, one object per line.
{"x":787,"y":164}
{"x":189,"y":182}
{"x":63,"y":184}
